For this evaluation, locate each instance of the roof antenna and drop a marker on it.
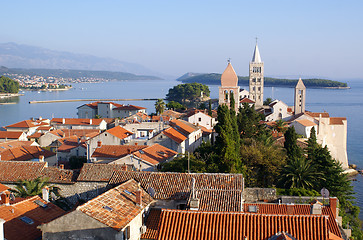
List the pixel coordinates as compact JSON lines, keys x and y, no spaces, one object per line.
{"x":229,"y":60}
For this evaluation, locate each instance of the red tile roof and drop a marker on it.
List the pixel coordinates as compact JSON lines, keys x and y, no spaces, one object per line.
{"x":15,"y":228}
{"x":177,"y":186}
{"x":92,"y":172}
{"x":306,"y":122}
{"x":177,"y":224}
{"x":25,"y":153}
{"x":129,"y":107}
{"x":152,"y":223}
{"x":155,"y":154}
{"x":77,"y":121}
{"x":337,"y":120}
{"x":174,"y":135}
{"x":35,"y":135}
{"x":13,"y":171}
{"x":246,"y":100}
{"x":27,"y":124}
{"x":219,"y":200}
{"x":172,"y":114}
{"x":3,"y":188}
{"x":317,"y":114}
{"x":115,"y":151}
{"x":183,"y":126}
{"x":4,"y":146}
{"x":158,"y":118}
{"x":10,"y":135}
{"x":298,"y":209}
{"x":69,"y":143}
{"x":119,"y":132}
{"x":117,"y":207}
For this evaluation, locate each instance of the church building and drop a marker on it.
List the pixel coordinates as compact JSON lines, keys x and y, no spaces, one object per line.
{"x":256,"y":78}
{"x":229,"y":87}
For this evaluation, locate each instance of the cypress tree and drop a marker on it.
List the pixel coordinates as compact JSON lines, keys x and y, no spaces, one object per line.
{"x":292,"y":149}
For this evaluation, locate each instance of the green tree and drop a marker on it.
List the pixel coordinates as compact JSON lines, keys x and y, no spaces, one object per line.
{"x":26,"y":188}
{"x":159,"y":106}
{"x":280,"y":126}
{"x":263,"y":163}
{"x":77,"y":162}
{"x":248,"y":121}
{"x":172,"y":105}
{"x":8,"y":85}
{"x":180,"y":164}
{"x":300,"y":173}
{"x":187,"y":92}
{"x":267,"y":101}
{"x":227,"y":142}
{"x":292,"y":149}
{"x":210,"y":107}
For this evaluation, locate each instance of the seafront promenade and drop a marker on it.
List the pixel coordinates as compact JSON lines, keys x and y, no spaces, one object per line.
{"x":93,"y":100}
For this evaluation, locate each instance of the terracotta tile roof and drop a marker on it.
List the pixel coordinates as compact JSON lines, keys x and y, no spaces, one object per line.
{"x":300,"y":142}
{"x":129,"y":107}
{"x":92,"y":172}
{"x":75,"y":132}
{"x":246,"y":100}
{"x":119,"y":132}
{"x":15,"y":228}
{"x":317,"y":114}
{"x":177,"y":186}
{"x":174,"y":135}
{"x":57,"y":175}
{"x":337,"y":120}
{"x":155,"y":154}
{"x":172,"y":114}
{"x":11,"y":171}
{"x":158,"y":118}
{"x":27,"y":124}
{"x":306,"y":122}
{"x":152,"y":223}
{"x":25,"y":153}
{"x":177,"y":224}
{"x":219,"y":200}
{"x":116,"y":151}
{"x":69,"y":143}
{"x":206,"y":131}
{"x":45,"y":128}
{"x":4,"y":146}
{"x":10,"y":135}
{"x":298,"y":209}
{"x":183,"y":126}
{"x":191,"y":112}
{"x":36,"y":135}
{"x":3,"y":188}
{"x":77,"y":121}
{"x":117,"y":207}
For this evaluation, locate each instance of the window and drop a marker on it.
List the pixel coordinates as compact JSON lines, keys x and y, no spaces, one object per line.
{"x":199,"y":119}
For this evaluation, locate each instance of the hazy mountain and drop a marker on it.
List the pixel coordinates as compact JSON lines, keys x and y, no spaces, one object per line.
{"x":14,"y":55}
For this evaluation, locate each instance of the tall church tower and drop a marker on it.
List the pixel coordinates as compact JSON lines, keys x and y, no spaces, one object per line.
{"x":300,"y":92}
{"x":256,"y":78}
{"x":229,"y":86}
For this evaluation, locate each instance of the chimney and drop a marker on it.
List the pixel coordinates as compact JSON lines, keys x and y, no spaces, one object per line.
{"x":90,"y":121}
{"x":5,"y":198}
{"x":333,"y":203}
{"x":63,"y":121}
{"x":194,"y":201}
{"x":61,"y":166}
{"x":41,"y":158}
{"x":45,"y":194}
{"x":139,"y":197}
{"x":316,"y":208}
{"x":2,"y":229}
{"x":99,"y":144}
{"x":129,"y":151}
{"x":290,"y":208}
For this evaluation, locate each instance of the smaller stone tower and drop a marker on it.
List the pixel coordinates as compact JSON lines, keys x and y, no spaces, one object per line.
{"x":229,"y":85}
{"x":300,"y":92}
{"x":256,"y":78}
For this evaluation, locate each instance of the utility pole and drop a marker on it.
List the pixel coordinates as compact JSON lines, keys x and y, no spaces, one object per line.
{"x":188,"y":163}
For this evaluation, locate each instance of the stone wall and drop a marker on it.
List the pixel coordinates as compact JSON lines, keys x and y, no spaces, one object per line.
{"x":259,"y":194}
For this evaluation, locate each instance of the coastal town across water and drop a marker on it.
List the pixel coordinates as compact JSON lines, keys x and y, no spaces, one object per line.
{"x":125,"y":148}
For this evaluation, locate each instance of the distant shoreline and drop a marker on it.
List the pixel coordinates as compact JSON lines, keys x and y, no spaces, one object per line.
{"x":10,"y":95}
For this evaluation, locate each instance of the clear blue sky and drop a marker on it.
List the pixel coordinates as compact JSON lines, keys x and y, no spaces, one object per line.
{"x":307,"y":38}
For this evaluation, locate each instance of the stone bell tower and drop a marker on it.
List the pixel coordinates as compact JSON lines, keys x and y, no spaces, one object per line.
{"x":256,"y":78}
{"x":300,"y":92}
{"x":229,"y":87}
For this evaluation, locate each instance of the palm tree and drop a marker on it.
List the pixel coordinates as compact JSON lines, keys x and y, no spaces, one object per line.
{"x":159,"y":106}
{"x":300,"y":173}
{"x":280,"y":126}
{"x":26,"y":188}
